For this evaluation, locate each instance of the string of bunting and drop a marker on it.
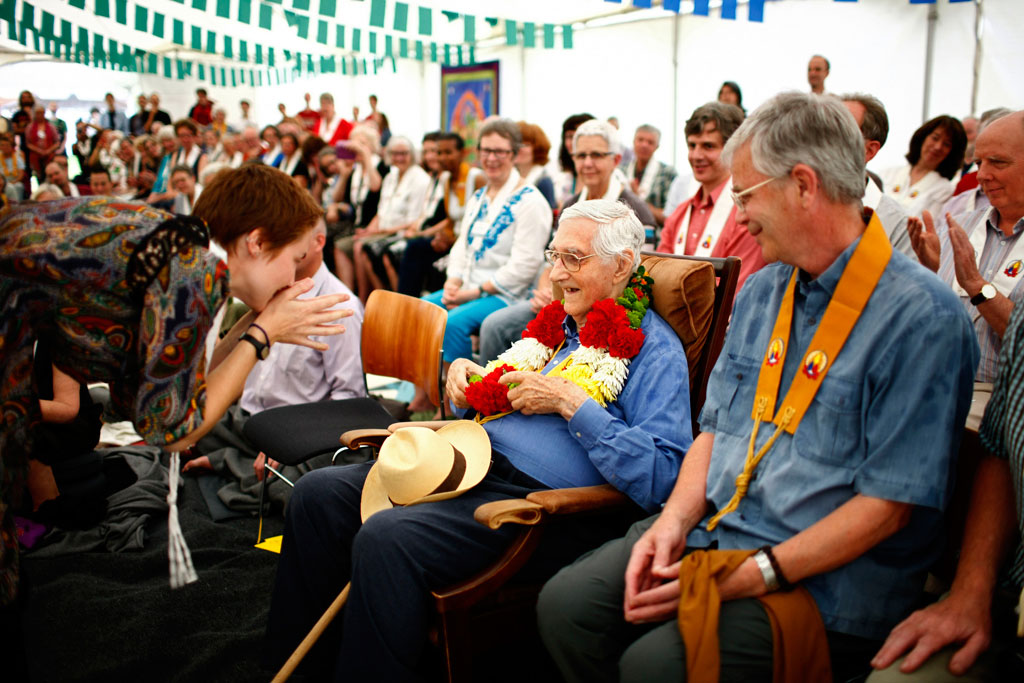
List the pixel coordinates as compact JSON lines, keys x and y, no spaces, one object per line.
{"x":77,"y":44}
{"x":349,"y":38}
{"x":755,"y":8}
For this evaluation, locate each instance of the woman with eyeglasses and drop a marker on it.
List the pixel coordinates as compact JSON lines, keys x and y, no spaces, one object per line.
{"x":500,"y":247}
{"x":596,"y":154}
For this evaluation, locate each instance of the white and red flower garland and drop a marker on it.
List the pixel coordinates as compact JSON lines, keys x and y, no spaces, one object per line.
{"x":608,"y":342}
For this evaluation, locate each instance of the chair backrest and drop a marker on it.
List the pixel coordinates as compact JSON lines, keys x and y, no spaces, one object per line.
{"x":402,"y":338}
{"x":697,"y":307}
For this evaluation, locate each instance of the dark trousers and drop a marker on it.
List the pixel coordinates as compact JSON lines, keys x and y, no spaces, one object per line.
{"x":394,"y":560}
{"x":581,"y":623}
{"x":417,"y":264}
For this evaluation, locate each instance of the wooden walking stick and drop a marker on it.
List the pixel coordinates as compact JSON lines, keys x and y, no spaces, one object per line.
{"x":314,"y":634}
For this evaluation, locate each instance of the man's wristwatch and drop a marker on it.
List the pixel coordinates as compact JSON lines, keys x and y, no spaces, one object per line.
{"x":262,"y":348}
{"x":771,"y":581}
{"x":987,"y":292}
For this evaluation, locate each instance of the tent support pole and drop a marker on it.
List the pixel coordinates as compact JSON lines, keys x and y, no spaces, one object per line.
{"x":933,"y":19}
{"x":978,"y":23}
{"x":675,"y":87}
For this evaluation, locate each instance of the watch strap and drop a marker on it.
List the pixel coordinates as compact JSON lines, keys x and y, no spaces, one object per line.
{"x":262,"y":350}
{"x":981,"y":297}
{"x":771,"y":581}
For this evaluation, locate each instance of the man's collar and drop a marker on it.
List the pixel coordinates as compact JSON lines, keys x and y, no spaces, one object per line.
{"x":830,"y":278}
{"x":993,"y":220}
{"x":699,"y":200}
{"x":569,"y":327}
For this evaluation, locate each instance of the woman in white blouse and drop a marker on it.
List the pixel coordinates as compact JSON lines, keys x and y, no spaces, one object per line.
{"x":936,"y":155}
{"x":500,"y":247}
{"x":402,"y":195}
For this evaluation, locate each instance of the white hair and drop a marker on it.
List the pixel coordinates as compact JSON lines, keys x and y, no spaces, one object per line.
{"x":601,"y":129}
{"x":45,"y":188}
{"x":618,"y":228}
{"x":165,"y":133}
{"x":801,"y":128}
{"x":211,"y":170}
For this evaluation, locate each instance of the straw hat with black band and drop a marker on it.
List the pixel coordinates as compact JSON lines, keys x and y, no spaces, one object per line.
{"x":415,"y":465}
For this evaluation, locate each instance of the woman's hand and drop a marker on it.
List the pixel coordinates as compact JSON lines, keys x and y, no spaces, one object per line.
{"x":461,"y":296}
{"x":291,"y":320}
{"x":458,"y":379}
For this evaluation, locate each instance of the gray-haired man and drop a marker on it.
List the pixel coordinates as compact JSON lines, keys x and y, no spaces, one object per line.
{"x":649,"y":178}
{"x":854,"y":472}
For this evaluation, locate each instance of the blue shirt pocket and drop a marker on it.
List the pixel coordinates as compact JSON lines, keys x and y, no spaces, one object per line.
{"x":741,"y":375}
{"x":831,"y":431}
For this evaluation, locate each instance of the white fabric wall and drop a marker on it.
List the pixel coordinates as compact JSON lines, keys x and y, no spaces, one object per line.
{"x":626,"y":70}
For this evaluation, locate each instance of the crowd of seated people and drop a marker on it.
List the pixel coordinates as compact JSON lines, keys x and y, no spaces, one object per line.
{"x":848,"y":503}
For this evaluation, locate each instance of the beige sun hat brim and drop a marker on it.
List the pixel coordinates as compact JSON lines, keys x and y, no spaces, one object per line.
{"x":375,"y":497}
{"x":469,"y":437}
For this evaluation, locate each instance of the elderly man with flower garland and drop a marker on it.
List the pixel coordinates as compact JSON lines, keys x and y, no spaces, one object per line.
{"x":623,"y":420}
{"x":827,"y":440}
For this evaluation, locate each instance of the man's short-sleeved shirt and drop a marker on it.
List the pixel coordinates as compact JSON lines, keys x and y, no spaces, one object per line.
{"x":885,"y":423}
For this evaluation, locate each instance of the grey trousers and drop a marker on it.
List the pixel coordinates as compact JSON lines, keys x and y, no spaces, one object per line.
{"x":502,"y":328}
{"x":580,"y":618}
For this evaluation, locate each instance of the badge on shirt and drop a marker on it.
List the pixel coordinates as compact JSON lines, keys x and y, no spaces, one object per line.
{"x":1013,"y":270}
{"x":815,"y":364}
{"x":774,"y":351}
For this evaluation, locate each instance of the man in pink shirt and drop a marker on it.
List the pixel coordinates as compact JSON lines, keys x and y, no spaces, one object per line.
{"x":705,"y":224}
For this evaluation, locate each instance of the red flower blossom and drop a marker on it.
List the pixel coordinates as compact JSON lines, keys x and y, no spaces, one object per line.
{"x":546,"y":328}
{"x":625,"y":342}
{"x":488,"y":396}
{"x":603,"y":319}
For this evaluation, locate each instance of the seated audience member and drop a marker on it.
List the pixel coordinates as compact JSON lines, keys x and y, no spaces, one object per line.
{"x":705,"y":224}
{"x":202,"y":111}
{"x":500,"y":248}
{"x":649,"y":178}
{"x":57,"y":175}
{"x":557,"y":436}
{"x":220,"y":121}
{"x":183,"y":181}
{"x":82,"y":147}
{"x":870,"y":115}
{"x":980,"y":253}
{"x":968,"y":635}
{"x":137,"y":122}
{"x":12,"y":167}
{"x":331,"y":127}
{"x":291,"y":160}
{"x":403,"y":193}
{"x":189,"y":152}
{"x":730,"y":93}
{"x":437,"y":235}
{"x":855,"y":429}
{"x":41,"y":140}
{"x":100,"y":183}
{"x":924,"y":183}
{"x":565,"y":177}
{"x":969,"y":173}
{"x":532,"y":158}
{"x":162,"y":191}
{"x":246,"y":121}
{"x":271,"y":146}
{"x":289,"y":375}
{"x":359,"y":193}
{"x":596,"y":153}
{"x":47,"y":191}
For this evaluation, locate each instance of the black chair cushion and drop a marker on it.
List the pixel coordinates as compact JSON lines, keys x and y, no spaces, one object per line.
{"x":293,"y":434}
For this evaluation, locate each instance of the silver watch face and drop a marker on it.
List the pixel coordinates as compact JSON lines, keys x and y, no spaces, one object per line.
{"x":988,"y":291}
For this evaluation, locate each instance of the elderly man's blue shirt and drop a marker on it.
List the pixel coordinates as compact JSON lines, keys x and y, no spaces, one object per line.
{"x":636,"y":444}
{"x":885,"y":423}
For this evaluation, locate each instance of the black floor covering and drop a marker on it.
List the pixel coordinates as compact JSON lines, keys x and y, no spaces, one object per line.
{"x":113,"y":617}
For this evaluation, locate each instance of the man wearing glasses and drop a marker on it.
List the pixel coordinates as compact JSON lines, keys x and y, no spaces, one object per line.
{"x":827,"y":441}
{"x":596,"y":155}
{"x":556,"y":436}
{"x":705,"y":224}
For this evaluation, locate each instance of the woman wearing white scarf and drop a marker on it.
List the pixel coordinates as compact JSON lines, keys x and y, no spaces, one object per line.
{"x":500,"y":246}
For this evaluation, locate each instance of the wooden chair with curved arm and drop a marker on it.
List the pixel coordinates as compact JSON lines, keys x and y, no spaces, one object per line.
{"x":687,"y":297}
{"x":401,"y":338}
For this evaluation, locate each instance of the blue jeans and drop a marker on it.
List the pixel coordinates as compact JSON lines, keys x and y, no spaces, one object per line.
{"x":463,"y":321}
